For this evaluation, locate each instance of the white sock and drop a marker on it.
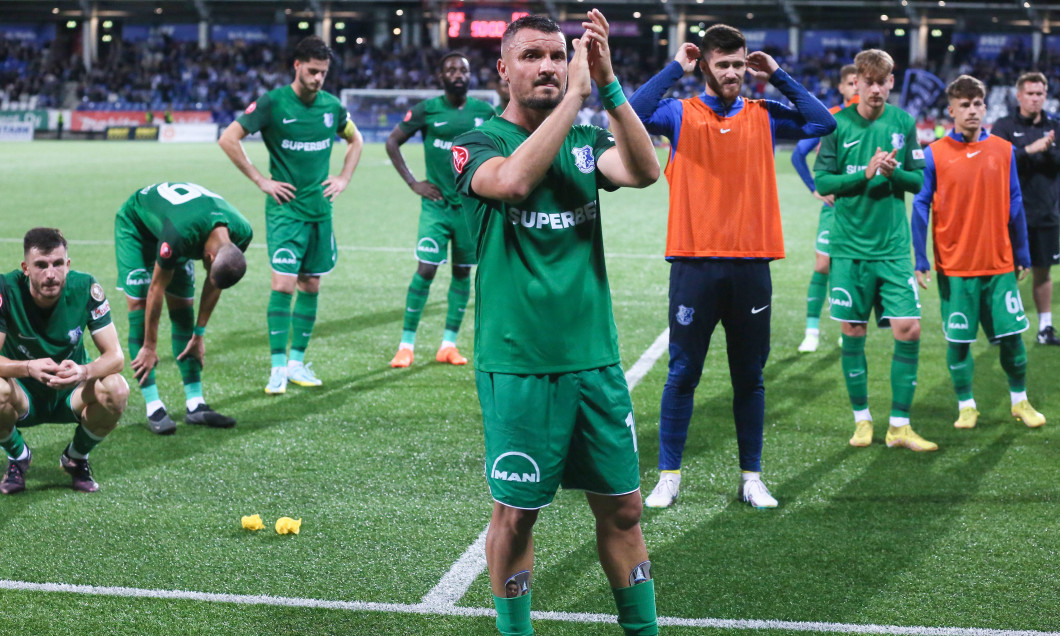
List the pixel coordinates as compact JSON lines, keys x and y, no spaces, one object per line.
{"x":862,"y":415}
{"x":447,"y":343}
{"x":1017,"y":396}
{"x":899,"y":421}
{"x":153,"y":406}
{"x":294,"y":364}
{"x":1045,"y":319}
{"x":405,"y":345}
{"x":194,"y":403}
{"x":750,"y":476}
{"x":963,"y":404}
{"x":24,"y":455}
{"x":813,"y":331}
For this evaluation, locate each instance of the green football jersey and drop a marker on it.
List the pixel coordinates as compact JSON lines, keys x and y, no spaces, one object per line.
{"x":299,"y":138}
{"x":32,"y":333}
{"x":543,"y":304}
{"x":180,"y":217}
{"x":870,"y":221}
{"x":440,"y":123}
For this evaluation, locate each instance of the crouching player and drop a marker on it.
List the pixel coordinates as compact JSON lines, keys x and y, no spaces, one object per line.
{"x":45,"y":374}
{"x":971,"y":184}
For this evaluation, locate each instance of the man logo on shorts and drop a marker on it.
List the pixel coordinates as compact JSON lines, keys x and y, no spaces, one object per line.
{"x":847,"y":302}
{"x":516,"y":468}
{"x":957,"y":321}
{"x":284,"y":256}
{"x":138,"y":277}
{"x":427,"y":244}
{"x":684,"y":315}
{"x":822,"y":238}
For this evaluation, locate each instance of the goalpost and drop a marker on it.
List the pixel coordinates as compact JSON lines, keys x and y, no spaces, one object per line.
{"x":376,"y":111}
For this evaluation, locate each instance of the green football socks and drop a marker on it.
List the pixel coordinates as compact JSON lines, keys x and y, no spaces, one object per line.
{"x":1014,"y":362}
{"x":815,"y":298}
{"x":136,"y":342}
{"x":855,"y":371}
{"x":636,"y":609}
{"x":415,"y":301}
{"x":513,"y":615}
{"x":459,"y":292}
{"x":14,"y":445}
{"x":83,"y":443}
{"x":279,"y":322}
{"x":302,"y":321}
{"x":962,"y":368}
{"x":903,"y":376}
{"x":182,"y":321}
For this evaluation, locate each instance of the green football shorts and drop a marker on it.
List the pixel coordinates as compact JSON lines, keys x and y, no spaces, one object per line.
{"x":859,"y":286}
{"x":46,"y":405}
{"x":824,"y":230}
{"x":300,"y":247}
{"x":441,"y":223}
{"x":136,"y":255}
{"x":993,"y":301}
{"x":571,"y":429}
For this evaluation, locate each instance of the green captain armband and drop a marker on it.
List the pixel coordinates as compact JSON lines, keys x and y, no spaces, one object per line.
{"x":611,"y":96}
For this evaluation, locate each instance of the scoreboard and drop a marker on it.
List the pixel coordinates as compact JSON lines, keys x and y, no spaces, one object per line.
{"x":480,"y":22}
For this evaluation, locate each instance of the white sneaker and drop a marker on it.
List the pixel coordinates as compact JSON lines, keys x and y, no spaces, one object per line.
{"x":809,"y":343}
{"x":754,"y":492}
{"x":665,"y":492}
{"x":302,"y":375}
{"x":277,"y":381}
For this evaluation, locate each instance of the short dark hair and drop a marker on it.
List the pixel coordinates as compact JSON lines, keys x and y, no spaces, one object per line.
{"x":1032,"y":77}
{"x":847,"y":71}
{"x":722,"y":37}
{"x":460,"y":54}
{"x":965,"y":87}
{"x":541,"y":23}
{"x":44,"y":239}
{"x":228,"y":266}
{"x":312,"y":48}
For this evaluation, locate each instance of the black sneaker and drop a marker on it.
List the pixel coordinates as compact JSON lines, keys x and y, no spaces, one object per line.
{"x":1047,"y":336}
{"x":160,"y":423}
{"x":203,"y":415}
{"x":15,"y":479}
{"x":80,"y":471}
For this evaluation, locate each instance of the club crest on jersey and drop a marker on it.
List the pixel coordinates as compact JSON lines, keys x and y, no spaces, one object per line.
{"x":97,"y":292}
{"x":329,"y":120}
{"x":583,"y":159}
{"x":478,"y":121}
{"x":75,"y":335}
{"x":165,"y":251}
{"x":460,"y":158}
{"x":897,"y":140}
{"x":684,"y":315}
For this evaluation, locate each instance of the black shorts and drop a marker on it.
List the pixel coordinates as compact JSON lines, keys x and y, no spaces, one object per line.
{"x":1045,"y":245}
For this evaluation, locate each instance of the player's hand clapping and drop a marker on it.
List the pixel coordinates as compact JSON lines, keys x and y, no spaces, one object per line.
{"x":599,"y":52}
{"x":578,"y":80}
{"x":281,"y":192}
{"x":1043,"y":144}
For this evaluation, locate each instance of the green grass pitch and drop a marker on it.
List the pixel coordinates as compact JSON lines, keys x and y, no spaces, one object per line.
{"x":385,"y":466}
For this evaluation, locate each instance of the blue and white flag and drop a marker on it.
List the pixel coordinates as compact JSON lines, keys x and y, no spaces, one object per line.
{"x":920,"y":89}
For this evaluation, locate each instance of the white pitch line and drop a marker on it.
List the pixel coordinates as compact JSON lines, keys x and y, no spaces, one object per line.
{"x":428,"y":609}
{"x":459,"y":578}
{"x":472,"y":563}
